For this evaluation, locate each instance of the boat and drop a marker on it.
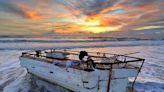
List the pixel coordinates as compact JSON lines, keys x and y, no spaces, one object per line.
{"x":94,"y":72}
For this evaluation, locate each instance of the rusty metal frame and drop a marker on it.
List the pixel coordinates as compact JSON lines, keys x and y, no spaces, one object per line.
{"x":109,"y":78}
{"x":137,"y":75}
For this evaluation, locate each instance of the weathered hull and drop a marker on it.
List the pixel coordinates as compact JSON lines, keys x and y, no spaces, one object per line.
{"x":79,"y":80}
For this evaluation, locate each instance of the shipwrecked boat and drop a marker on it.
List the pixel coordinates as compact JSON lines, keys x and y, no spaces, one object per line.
{"x":81,"y":71}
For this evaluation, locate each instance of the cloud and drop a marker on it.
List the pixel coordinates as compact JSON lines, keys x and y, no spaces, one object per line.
{"x":89,"y":15}
{"x":149,"y":27}
{"x":90,"y":7}
{"x":6,"y":6}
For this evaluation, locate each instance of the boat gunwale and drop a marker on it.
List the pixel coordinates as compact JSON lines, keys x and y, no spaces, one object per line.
{"x":64,"y":52}
{"x":117,"y":62}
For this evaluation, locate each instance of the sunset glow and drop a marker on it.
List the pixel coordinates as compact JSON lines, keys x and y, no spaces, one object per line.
{"x":101,"y":29}
{"x":79,"y":16}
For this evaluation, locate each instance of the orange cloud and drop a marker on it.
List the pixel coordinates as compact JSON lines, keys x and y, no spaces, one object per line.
{"x":33,"y":15}
{"x":65,"y":29}
{"x":69,"y":14}
{"x":28,"y":12}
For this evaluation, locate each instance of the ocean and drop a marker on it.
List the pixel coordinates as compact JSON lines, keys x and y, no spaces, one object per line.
{"x":14,"y":78}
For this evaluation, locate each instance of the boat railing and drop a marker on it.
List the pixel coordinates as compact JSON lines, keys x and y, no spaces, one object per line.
{"x":100,"y":59}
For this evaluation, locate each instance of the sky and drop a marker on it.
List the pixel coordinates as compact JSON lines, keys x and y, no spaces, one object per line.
{"x":98,"y":17}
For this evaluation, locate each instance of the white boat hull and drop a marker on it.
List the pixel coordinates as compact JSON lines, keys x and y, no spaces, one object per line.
{"x":79,"y":80}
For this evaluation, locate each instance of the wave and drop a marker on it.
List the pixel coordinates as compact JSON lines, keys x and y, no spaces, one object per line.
{"x":50,"y":41}
{"x":149,"y":87}
{"x":72,"y":44}
{"x":65,"y":40}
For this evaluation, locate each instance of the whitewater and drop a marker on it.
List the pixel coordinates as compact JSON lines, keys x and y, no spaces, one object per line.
{"x":14,"y":78}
